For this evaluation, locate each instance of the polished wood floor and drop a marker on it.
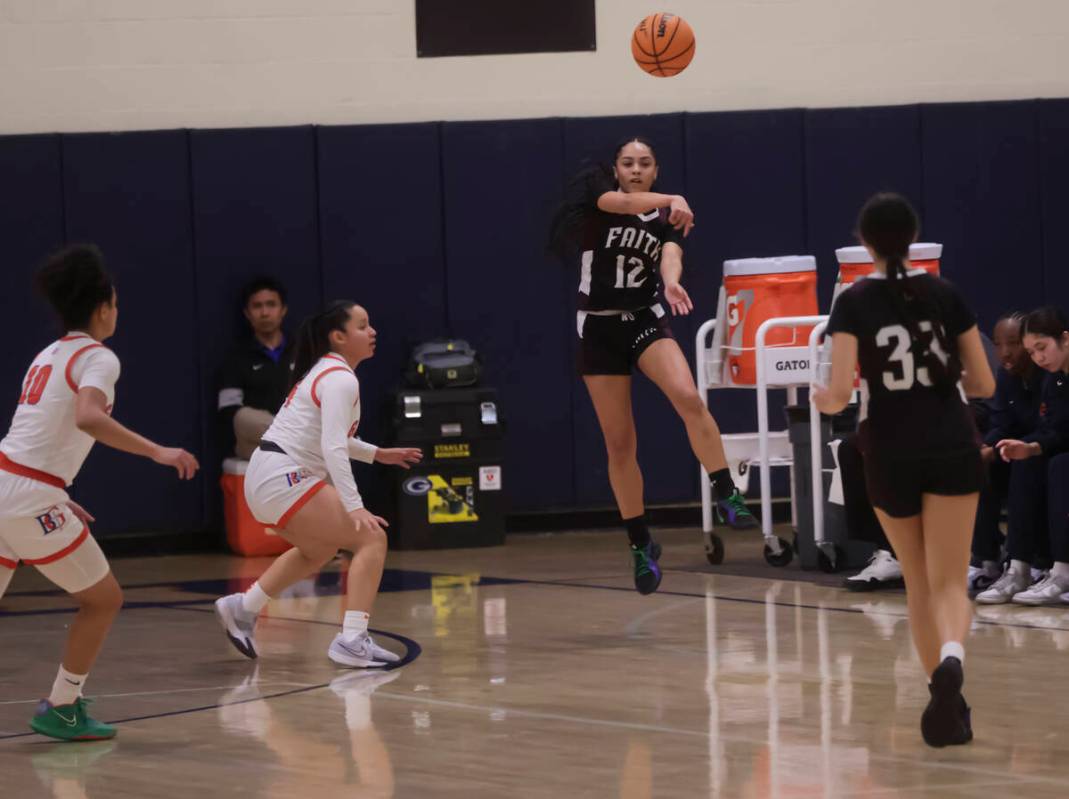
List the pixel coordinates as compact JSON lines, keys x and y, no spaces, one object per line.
{"x":534,"y":671}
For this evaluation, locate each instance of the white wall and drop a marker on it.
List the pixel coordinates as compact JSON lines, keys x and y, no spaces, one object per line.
{"x":81,"y":65}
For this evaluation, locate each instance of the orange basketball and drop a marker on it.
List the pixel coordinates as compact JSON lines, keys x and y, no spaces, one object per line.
{"x":663,"y":44}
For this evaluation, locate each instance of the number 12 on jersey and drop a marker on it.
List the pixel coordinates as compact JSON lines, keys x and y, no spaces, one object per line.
{"x":632,"y":281}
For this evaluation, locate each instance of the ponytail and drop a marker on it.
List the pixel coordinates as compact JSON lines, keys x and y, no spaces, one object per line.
{"x":580,"y":200}
{"x":888,"y":225}
{"x":313,"y":336}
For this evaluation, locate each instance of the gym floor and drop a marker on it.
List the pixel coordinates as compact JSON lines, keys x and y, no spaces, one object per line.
{"x":532,"y":670}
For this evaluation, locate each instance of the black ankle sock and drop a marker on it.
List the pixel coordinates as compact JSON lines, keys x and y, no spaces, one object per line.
{"x":722,"y":483}
{"x":637,"y":531}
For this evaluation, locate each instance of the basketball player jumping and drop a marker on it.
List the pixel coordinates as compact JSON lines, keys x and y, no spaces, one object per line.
{"x":630,"y":240}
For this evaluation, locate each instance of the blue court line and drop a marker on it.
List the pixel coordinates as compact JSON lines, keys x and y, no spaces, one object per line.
{"x":392,"y":580}
{"x":483,"y":581}
{"x":412,"y":651}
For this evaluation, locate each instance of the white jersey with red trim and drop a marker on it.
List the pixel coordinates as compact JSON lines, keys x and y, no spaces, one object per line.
{"x":317,"y":424}
{"x":43,"y":442}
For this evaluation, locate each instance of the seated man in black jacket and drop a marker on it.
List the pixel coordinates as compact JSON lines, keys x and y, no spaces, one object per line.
{"x":1014,"y":414}
{"x":257,"y":373}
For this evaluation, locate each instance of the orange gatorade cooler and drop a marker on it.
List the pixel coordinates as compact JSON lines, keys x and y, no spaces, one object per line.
{"x":855,"y":262}
{"x":245,"y":535}
{"x":758,"y":289}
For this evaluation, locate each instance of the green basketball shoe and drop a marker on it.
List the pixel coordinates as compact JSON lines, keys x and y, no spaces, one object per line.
{"x":69,"y":722}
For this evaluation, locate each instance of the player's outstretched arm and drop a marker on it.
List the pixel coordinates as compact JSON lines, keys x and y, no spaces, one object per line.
{"x":639,"y":202}
{"x":671,"y":272}
{"x":91,"y":416}
{"x":399,"y":456}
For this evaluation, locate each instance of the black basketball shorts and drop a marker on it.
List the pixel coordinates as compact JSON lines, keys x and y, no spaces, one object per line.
{"x":895,"y":485}
{"x":612,"y":345}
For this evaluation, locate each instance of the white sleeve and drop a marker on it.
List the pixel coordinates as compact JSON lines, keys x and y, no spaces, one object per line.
{"x":231,"y":398}
{"x":337,"y":394}
{"x":360,"y":450}
{"x":98,"y":368}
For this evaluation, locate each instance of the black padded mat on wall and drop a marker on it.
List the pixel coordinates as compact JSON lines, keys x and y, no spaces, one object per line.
{"x":490,"y":27}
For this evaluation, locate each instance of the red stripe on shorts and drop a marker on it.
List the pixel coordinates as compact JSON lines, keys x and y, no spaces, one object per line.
{"x":300,"y":503}
{"x":8,"y":465}
{"x":73,"y":545}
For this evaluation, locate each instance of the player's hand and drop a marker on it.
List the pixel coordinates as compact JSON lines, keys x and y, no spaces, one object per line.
{"x":678,"y":299}
{"x":680,"y":216}
{"x":399,"y":456}
{"x":1010,"y":449}
{"x":81,"y":513}
{"x":366,"y":521}
{"x":820,"y":396}
{"x":180,"y":460}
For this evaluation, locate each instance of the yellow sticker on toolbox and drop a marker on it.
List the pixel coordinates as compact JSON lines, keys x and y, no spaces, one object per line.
{"x":452,"y":450}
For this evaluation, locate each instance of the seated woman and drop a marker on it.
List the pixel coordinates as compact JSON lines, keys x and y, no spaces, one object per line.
{"x":1013,"y":413}
{"x":1037,"y":515}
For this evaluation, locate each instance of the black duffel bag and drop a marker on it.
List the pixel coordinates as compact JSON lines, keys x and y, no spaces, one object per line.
{"x":443,"y":363}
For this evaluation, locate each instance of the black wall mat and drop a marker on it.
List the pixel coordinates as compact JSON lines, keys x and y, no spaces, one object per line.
{"x":508,"y":297}
{"x":129,"y":194}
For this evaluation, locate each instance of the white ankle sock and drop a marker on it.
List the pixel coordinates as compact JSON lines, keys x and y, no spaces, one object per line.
{"x":254,"y":600}
{"x":67,"y":687}
{"x":1021,"y":567}
{"x":355,"y":623}
{"x":1060,"y":569}
{"x":952,"y":649}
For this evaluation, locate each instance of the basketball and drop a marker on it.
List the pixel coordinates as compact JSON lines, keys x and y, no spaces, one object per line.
{"x":663,"y":44}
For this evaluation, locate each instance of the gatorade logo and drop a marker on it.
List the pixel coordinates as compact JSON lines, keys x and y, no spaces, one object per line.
{"x":791,"y":366}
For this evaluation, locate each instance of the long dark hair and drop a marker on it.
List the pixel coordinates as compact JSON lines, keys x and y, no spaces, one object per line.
{"x":313,"y":336}
{"x":75,"y":284}
{"x":888,"y":225}
{"x":580,"y":196}
{"x":1046,"y":321}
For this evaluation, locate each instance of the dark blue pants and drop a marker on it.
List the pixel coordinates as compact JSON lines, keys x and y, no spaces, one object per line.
{"x":1026,"y":507}
{"x":987,"y":537}
{"x":1058,"y":507}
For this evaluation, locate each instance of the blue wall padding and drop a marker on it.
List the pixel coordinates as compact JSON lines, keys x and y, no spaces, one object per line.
{"x":1054,"y":183}
{"x":850,"y":154}
{"x":31,"y":225}
{"x":746,"y":180}
{"x":129,"y":193}
{"x":982,"y":200}
{"x":254,"y":212}
{"x":380,"y":226}
{"x":440,"y":228}
{"x":508,"y":297}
